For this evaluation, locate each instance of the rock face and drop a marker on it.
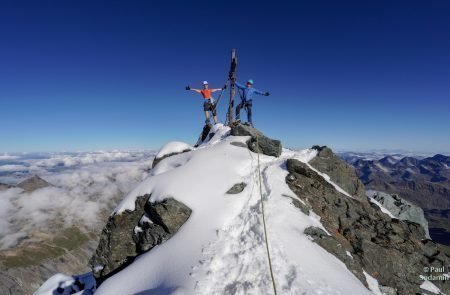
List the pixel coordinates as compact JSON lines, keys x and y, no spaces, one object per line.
{"x":402,"y":209}
{"x":340,"y":172}
{"x":131,"y":233}
{"x":33,"y":183}
{"x":388,"y":249}
{"x":258,"y":141}
{"x":204,"y":135}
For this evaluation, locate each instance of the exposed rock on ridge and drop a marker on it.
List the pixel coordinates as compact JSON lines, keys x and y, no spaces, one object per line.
{"x":402,"y":209}
{"x":130,"y":233}
{"x":258,"y":142}
{"x":390,"y":250}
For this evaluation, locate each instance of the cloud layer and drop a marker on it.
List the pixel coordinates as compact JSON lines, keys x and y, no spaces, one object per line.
{"x":87,"y":186}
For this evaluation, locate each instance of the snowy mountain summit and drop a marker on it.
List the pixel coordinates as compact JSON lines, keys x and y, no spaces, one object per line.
{"x":195,"y":226}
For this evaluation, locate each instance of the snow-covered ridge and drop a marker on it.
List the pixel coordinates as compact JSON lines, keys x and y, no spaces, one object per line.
{"x":173,"y":147}
{"x":221,"y":247}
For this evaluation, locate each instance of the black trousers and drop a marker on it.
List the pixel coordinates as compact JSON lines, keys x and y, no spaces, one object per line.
{"x":208,"y":106}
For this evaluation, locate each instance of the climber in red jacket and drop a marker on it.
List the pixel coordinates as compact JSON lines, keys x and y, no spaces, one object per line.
{"x":208,"y":105}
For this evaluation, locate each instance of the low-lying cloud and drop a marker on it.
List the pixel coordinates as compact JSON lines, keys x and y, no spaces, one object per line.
{"x":85,"y":185}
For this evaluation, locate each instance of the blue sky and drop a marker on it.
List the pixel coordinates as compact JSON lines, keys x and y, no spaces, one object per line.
{"x":354,"y":75}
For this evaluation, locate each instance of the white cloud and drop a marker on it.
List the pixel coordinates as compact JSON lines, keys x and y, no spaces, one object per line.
{"x":7,"y":157}
{"x":13,"y":168}
{"x":86,"y":185}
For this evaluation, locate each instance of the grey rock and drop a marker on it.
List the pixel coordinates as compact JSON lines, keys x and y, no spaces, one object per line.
{"x":430,"y":249}
{"x":169,"y":213}
{"x":205,"y":135}
{"x":388,"y":290}
{"x":116,"y":247}
{"x":315,"y":232}
{"x":126,"y":235}
{"x":391,"y":250}
{"x":237,"y":188}
{"x":33,"y":183}
{"x":339,"y":171}
{"x":150,"y":236}
{"x":401,"y":209}
{"x":258,"y":142}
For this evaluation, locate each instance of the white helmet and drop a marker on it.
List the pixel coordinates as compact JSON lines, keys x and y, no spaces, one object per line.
{"x":205,"y":82}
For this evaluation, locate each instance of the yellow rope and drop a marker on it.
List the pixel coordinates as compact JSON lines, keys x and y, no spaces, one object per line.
{"x":264,"y":220}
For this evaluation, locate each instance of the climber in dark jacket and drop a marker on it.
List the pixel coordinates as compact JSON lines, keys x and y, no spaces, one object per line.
{"x":247,"y":100}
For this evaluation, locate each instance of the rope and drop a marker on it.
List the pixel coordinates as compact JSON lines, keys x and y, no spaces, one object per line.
{"x":264,"y":220}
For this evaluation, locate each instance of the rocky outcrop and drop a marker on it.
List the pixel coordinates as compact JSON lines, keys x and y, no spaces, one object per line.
{"x":237,"y":188}
{"x":33,"y":183}
{"x":258,"y":142}
{"x":402,"y":209}
{"x":342,"y":174}
{"x":205,"y":135}
{"x":130,"y":233}
{"x":388,"y":249}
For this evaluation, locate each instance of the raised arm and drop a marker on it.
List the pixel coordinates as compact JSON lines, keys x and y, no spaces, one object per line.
{"x":239,"y":85}
{"x":219,"y":89}
{"x":261,"y":92}
{"x":196,"y":90}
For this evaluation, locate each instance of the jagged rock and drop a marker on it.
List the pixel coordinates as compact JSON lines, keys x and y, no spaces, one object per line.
{"x":33,"y":183}
{"x":430,"y":249}
{"x":149,"y":236}
{"x":339,"y":171}
{"x":131,"y":233}
{"x":169,"y":213}
{"x":402,"y":209}
{"x":315,"y":232}
{"x":116,"y":247}
{"x":391,"y":250}
{"x":237,"y":188}
{"x":204,"y":135}
{"x":258,"y":141}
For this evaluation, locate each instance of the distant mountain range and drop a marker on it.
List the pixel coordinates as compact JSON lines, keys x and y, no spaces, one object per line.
{"x":425,"y":181}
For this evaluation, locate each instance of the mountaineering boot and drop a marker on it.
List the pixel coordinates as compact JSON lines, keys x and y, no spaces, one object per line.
{"x":238,"y":121}
{"x":207,"y":122}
